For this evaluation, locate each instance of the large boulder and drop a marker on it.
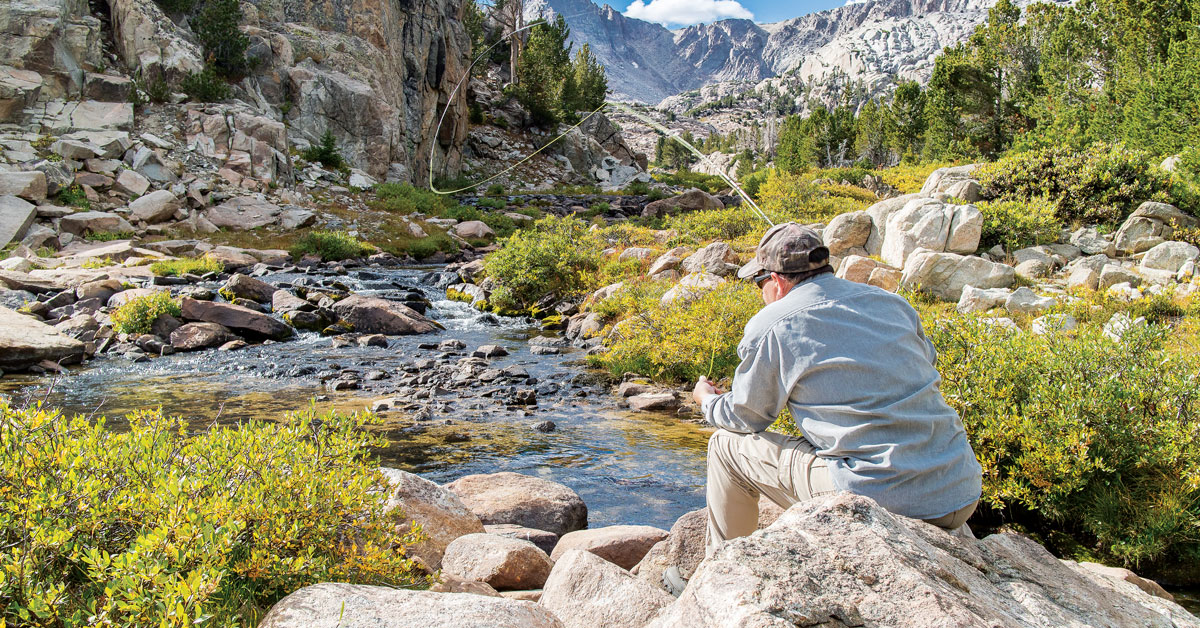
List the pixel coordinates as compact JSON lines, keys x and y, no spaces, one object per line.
{"x":622,"y":545}
{"x":523,"y":500}
{"x":692,"y":200}
{"x":27,"y":185}
{"x":505,"y":563}
{"x":1149,"y":225}
{"x":155,"y":207}
{"x":944,"y":275}
{"x":942,"y":179}
{"x":847,"y":234}
{"x":196,"y":336}
{"x":1169,"y":256}
{"x":336,"y":605}
{"x":236,"y":317}
{"x":926,"y":223}
{"x":585,"y":591}
{"x":879,"y":213}
{"x":372,"y":315}
{"x":440,"y":513}
{"x":244,"y":213}
{"x":845,"y":561}
{"x":16,"y":216}
{"x":242,"y":286}
{"x":84,"y":223}
{"x":691,"y":287}
{"x":18,"y":89}
{"x":25,"y":341}
{"x":474,"y":230}
{"x":716,"y":259}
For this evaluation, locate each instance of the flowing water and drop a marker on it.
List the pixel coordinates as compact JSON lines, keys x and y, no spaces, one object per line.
{"x":628,"y":468}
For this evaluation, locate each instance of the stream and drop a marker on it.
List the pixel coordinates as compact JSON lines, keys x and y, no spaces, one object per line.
{"x":629,"y":468}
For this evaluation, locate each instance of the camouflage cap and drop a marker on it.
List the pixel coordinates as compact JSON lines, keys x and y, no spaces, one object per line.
{"x":787,"y":248}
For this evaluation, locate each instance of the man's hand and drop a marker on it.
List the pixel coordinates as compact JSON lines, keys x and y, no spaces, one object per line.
{"x":703,"y":390}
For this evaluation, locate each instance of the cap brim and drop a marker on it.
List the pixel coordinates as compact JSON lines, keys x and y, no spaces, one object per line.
{"x":750,"y":269}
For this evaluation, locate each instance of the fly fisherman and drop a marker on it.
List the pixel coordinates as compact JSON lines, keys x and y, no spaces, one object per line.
{"x":852,"y":363}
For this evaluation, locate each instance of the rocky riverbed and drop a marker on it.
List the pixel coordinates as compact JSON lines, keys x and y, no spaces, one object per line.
{"x":482,"y":395}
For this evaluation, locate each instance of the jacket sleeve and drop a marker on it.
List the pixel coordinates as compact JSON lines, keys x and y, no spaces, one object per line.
{"x":759,"y":392}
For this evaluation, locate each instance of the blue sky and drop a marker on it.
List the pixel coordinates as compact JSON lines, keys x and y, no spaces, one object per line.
{"x":676,"y":13}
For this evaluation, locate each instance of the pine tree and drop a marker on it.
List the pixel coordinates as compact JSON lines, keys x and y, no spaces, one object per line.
{"x":543,"y":68}
{"x":591,"y":79}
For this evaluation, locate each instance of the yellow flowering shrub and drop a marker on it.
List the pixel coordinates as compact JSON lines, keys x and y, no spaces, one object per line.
{"x":156,"y":527}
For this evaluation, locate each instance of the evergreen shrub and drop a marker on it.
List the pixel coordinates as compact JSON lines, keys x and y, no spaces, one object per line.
{"x":326,"y":153}
{"x":154,"y":526}
{"x":1102,"y":184}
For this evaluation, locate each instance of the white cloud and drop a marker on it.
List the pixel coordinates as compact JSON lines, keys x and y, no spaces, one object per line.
{"x":686,"y":12}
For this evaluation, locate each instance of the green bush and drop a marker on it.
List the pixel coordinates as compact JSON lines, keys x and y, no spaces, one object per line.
{"x":1018,"y":224}
{"x":205,"y":86}
{"x":137,"y":315}
{"x":708,"y":182}
{"x":556,"y":257}
{"x":187,"y":266}
{"x":177,"y":6}
{"x":326,"y":153}
{"x":426,"y":247}
{"x":331,"y":246}
{"x":682,"y":340}
{"x":1091,"y":436}
{"x":492,"y":203}
{"x":1102,"y":184}
{"x":152,"y":527}
{"x":403,"y":198}
{"x":495,"y":189}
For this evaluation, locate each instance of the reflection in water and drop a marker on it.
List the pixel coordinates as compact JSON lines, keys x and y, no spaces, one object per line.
{"x":628,"y":468}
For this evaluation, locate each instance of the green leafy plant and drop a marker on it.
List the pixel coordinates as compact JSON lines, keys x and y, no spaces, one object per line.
{"x":492,"y":203}
{"x":216,"y":27}
{"x":187,"y":266}
{"x":682,"y":340}
{"x":1019,"y":224}
{"x":136,"y":316}
{"x":74,"y":196}
{"x":495,"y":189}
{"x":331,"y":246}
{"x":556,"y":256}
{"x":152,"y":526}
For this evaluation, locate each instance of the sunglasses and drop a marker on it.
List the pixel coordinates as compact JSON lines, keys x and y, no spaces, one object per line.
{"x":759,"y":280}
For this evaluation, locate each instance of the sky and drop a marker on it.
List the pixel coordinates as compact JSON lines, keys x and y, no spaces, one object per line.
{"x":678,"y":13}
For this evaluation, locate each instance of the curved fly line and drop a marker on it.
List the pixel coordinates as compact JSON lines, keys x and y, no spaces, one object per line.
{"x":655,"y":126}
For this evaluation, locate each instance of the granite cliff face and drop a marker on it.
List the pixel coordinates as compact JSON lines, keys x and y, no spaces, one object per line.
{"x":873,"y":41}
{"x":377,"y":73}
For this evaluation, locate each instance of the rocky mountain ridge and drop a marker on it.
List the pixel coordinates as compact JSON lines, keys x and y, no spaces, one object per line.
{"x":876,"y":42}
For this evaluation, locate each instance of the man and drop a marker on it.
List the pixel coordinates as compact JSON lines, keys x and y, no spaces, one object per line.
{"x":852,"y":363}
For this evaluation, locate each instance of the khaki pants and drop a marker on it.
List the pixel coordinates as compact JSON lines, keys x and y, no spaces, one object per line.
{"x":784,"y":468}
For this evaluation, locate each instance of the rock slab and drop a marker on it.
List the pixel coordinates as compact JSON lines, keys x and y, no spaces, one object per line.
{"x":336,"y":605}
{"x":845,"y":561}
{"x":372,"y":315}
{"x":505,"y":563}
{"x":25,"y":341}
{"x":622,"y":545}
